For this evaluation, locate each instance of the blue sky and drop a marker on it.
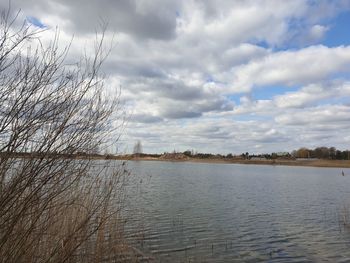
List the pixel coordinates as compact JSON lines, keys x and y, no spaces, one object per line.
{"x":339,"y":31}
{"x":35,"y":21}
{"x":218,"y":76}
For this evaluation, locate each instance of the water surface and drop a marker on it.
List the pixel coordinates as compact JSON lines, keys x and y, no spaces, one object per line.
{"x":194,"y":212}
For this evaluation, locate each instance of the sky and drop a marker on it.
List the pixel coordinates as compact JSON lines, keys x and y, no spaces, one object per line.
{"x":216,"y":76}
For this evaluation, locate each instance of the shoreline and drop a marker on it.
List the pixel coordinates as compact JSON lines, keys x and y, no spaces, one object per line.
{"x":278,"y":162}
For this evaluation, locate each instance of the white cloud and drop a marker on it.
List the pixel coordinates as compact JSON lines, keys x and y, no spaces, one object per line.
{"x":313,"y":93}
{"x":179,"y":63}
{"x":312,"y":64}
{"x":317,"y":32}
{"x":325,"y":114}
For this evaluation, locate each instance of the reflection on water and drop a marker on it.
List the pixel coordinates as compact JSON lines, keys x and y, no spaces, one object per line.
{"x":188,"y":212}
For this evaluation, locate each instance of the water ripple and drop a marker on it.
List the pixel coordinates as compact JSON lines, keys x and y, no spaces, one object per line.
{"x":236,"y":213}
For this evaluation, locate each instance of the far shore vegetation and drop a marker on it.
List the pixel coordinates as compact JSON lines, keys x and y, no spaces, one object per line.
{"x":318,"y":157}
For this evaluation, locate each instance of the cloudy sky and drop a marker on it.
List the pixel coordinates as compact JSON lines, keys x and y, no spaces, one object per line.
{"x":218,"y":76}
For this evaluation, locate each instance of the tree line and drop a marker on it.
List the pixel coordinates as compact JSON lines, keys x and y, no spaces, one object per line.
{"x":330,"y":153}
{"x":323,"y":152}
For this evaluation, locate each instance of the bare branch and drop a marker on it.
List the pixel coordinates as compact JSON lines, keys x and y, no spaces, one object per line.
{"x":53,"y":205}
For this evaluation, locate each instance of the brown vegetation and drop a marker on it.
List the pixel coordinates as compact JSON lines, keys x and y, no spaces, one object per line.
{"x":55,"y":209}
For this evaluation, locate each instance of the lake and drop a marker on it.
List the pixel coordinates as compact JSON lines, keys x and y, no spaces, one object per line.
{"x":197,"y":212}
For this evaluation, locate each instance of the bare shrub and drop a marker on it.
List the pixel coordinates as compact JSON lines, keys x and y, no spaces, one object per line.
{"x":54,"y":206}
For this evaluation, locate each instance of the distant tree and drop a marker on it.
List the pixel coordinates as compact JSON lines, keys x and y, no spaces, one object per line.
{"x":332,"y":152}
{"x":267,"y":156}
{"x":303,"y":153}
{"x":321,"y":153}
{"x":245,"y":155}
{"x":137,"y":148}
{"x":345,"y":155}
{"x":188,"y":153}
{"x":338,"y":155}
